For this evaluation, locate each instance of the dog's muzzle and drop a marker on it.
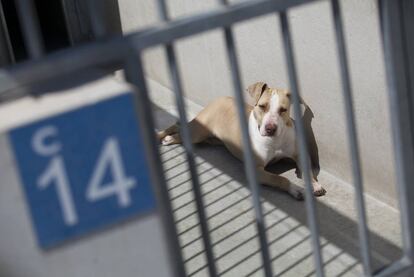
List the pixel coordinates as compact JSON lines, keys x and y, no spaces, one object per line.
{"x":270,"y":129}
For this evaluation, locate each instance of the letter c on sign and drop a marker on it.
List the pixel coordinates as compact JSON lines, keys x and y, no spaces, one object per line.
{"x":39,"y":141}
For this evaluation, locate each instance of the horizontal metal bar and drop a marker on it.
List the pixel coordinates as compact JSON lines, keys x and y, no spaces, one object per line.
{"x":303,"y":148}
{"x":58,"y":64}
{"x":222,"y":17}
{"x":398,"y":268}
{"x":353,"y":139}
{"x":107,"y":51}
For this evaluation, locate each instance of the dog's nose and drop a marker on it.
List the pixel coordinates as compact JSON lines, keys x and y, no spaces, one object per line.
{"x":270,"y":129}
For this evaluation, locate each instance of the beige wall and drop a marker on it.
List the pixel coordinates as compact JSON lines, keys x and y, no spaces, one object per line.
{"x":206,"y":75}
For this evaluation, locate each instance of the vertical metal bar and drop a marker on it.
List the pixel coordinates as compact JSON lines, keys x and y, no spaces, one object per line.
{"x":6,"y":35}
{"x":135,"y":75}
{"x":66,"y":13}
{"x":249,"y":162}
{"x":186,"y":138}
{"x":399,"y":60}
{"x":30,"y":28}
{"x":95,"y":10}
{"x":353,"y":139}
{"x":303,"y":148}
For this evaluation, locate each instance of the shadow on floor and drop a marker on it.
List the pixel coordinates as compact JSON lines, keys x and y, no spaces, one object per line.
{"x":334,"y":227}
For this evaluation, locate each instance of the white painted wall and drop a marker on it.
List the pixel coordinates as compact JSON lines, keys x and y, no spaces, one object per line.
{"x":206,"y":74}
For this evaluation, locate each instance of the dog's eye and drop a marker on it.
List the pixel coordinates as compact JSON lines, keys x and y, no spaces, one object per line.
{"x":282,"y":110}
{"x":262,"y":106}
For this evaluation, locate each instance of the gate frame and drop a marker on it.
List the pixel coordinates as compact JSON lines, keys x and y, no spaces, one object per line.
{"x":397,"y":26}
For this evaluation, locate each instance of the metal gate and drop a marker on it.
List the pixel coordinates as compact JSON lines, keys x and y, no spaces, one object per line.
{"x":397,"y":25}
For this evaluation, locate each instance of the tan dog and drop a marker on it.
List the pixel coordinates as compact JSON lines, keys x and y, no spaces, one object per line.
{"x":271,"y":131}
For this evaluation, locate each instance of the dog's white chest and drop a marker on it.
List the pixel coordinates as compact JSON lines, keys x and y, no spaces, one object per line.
{"x":272,"y":148}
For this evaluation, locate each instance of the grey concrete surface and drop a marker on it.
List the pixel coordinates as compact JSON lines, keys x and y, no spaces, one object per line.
{"x":230,"y":215}
{"x":132,"y":248}
{"x":206,"y":74}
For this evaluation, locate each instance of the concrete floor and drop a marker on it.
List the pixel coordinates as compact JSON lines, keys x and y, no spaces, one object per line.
{"x":231,"y":217}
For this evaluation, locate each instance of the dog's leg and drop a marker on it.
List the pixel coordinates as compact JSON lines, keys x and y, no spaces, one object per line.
{"x":171,"y":135}
{"x":173,"y":129}
{"x":171,"y":139}
{"x":318,"y":190}
{"x":279,"y":182}
{"x":214,"y":141}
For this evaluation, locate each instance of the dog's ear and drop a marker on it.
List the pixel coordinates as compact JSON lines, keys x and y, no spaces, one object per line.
{"x":288,"y":95}
{"x":256,"y":90}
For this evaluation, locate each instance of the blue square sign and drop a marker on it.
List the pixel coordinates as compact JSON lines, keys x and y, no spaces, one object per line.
{"x":83,"y":170}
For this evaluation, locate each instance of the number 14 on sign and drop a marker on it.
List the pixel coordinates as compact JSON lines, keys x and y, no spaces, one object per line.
{"x":55,"y":173}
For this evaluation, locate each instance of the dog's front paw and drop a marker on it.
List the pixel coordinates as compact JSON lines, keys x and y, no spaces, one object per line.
{"x":318,"y":190}
{"x":297,"y":192}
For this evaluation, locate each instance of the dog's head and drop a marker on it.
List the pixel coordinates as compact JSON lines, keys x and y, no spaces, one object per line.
{"x":271,"y":109}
